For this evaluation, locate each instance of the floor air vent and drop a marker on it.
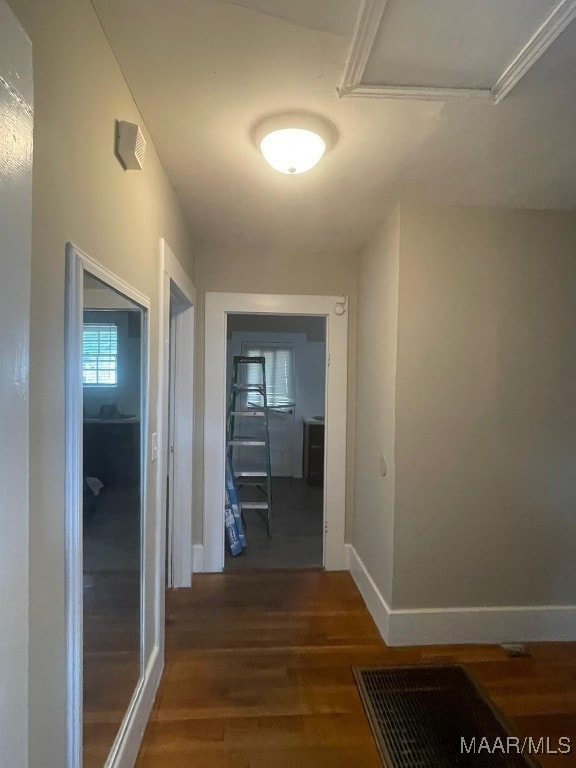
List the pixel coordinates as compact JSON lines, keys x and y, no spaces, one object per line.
{"x":435,"y":717}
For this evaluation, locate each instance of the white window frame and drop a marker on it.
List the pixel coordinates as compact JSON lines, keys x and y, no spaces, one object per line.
{"x":100,"y":384}
{"x":279,"y":346}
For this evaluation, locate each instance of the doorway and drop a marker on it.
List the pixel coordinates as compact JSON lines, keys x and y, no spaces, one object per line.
{"x":333,"y":310}
{"x":178,"y":446}
{"x":293,"y":349}
{"x":176,"y":421}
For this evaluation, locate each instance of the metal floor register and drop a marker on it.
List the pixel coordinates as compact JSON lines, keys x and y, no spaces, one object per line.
{"x":436,"y":717}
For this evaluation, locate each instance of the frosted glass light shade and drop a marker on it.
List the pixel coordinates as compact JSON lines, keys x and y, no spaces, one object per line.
{"x":292,"y":150}
{"x":293,"y":142}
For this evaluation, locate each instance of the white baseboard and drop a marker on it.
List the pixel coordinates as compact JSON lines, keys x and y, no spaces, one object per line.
{"x":125,"y":749}
{"x":377,"y":606}
{"x":198,"y":558}
{"x":430,"y":626}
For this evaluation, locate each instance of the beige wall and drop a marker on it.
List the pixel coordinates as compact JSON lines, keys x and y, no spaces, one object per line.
{"x":278,"y":272}
{"x":16,"y":107}
{"x":80,"y":193}
{"x":486,"y":408}
{"x":373,"y":533}
{"x":485,"y":457}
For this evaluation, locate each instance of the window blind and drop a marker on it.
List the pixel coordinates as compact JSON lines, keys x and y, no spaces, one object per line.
{"x":100,"y":354}
{"x":280,"y":390}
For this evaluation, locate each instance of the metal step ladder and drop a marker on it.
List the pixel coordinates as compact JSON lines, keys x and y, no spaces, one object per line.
{"x":241,"y":413}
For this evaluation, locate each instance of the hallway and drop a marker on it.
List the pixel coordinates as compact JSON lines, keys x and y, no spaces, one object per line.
{"x":258,"y":674}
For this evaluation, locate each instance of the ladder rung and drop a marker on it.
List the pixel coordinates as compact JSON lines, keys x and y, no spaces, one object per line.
{"x":250,"y":406}
{"x":245,"y":441}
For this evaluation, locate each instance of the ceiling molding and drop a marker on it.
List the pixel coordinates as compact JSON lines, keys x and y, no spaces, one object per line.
{"x":540,"y":41}
{"x":367,"y":28}
{"x":365,"y":31}
{"x":418,"y":92}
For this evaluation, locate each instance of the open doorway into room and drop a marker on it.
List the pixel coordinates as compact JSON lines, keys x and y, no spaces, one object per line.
{"x":333,"y":310}
{"x":283,"y":528}
{"x":176,"y":421}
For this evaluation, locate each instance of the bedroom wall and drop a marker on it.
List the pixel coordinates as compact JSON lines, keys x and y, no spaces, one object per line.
{"x":82,"y":194}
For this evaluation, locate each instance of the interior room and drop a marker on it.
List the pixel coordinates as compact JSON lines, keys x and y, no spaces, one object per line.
{"x":431,"y":215}
{"x":295,"y":362}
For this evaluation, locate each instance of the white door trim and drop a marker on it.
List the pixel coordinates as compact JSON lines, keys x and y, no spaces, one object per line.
{"x":175,"y":286}
{"x":218,"y":305}
{"x":169,"y":479}
{"x":73,"y":503}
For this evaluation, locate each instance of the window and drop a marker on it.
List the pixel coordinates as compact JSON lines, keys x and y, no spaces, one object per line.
{"x":279,"y":364}
{"x":100,"y":354}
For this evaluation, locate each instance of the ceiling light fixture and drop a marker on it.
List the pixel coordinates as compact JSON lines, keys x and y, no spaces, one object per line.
{"x":293,"y":142}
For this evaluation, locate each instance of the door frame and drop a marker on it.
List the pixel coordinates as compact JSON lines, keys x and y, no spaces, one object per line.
{"x":178,"y":290}
{"x":169,"y":480}
{"x":333,"y":308}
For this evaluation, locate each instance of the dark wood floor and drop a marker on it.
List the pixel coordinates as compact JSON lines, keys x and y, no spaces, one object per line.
{"x":258,"y":675}
{"x":111,"y":616}
{"x":111,"y":653}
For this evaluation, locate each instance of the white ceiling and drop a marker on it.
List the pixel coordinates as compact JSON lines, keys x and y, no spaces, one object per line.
{"x":204,"y":71}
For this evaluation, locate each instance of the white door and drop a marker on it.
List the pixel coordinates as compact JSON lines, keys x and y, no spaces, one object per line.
{"x":15,"y":250}
{"x":280,"y":389}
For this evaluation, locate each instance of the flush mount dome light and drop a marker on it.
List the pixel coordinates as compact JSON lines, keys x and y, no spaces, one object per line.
{"x":294,"y":142}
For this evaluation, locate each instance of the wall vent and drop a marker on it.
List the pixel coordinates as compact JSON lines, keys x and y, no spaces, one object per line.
{"x":130,"y":145}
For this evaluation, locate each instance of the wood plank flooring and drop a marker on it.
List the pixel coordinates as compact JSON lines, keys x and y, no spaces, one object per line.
{"x":258,"y":675}
{"x":111,"y":658}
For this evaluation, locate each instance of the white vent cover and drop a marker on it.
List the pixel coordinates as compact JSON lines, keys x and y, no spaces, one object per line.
{"x":131,"y":145}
